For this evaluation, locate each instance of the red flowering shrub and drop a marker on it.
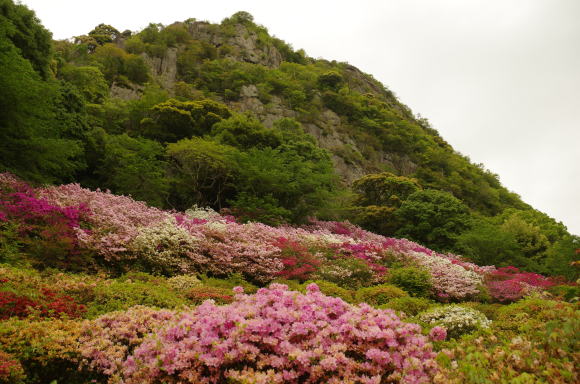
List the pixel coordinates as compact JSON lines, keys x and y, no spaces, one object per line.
{"x":49,"y":304}
{"x":203,"y":292}
{"x":508,"y":284}
{"x":298,"y":262}
{"x":10,"y":369}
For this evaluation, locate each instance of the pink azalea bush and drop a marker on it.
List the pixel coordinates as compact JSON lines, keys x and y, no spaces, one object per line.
{"x":114,"y":220}
{"x":273,"y":336}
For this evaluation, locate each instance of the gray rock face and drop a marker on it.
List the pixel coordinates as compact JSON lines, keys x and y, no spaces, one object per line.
{"x":164,"y":69}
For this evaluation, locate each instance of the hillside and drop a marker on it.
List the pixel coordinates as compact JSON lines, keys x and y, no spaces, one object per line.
{"x":100,"y":288}
{"x":227,"y":116}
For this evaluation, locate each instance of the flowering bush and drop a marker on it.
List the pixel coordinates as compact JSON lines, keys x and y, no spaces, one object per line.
{"x":279,"y":336}
{"x":438,"y":333}
{"x":201,"y":293}
{"x":183,"y":283}
{"x":348,"y":273}
{"x":168,"y":249}
{"x":10,"y":369}
{"x":298,"y":262}
{"x":105,"y":343}
{"x":113,"y":221}
{"x":508,"y":284}
{"x":457,"y":320}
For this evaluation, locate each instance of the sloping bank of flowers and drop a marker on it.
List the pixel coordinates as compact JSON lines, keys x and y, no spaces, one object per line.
{"x":273,"y":336}
{"x":118,"y":231}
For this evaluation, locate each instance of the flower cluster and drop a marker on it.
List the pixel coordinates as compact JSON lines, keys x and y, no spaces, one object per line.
{"x":169,"y":249}
{"x":509,"y":284}
{"x":456,"y":319}
{"x":274,"y":336}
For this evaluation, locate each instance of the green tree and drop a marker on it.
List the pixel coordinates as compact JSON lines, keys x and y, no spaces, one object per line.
{"x":202,"y":172}
{"x":243,"y":131}
{"x":487,"y":244}
{"x":24,"y":30}
{"x":174,"y":120}
{"x":89,"y":80}
{"x":134,"y":166}
{"x":32,"y":143}
{"x":433,"y":218}
{"x":104,"y":33}
{"x":384,"y":189}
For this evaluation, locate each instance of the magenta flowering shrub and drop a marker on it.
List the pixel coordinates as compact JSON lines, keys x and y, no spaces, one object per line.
{"x":114,"y":220}
{"x":508,"y":284}
{"x":280,"y":336}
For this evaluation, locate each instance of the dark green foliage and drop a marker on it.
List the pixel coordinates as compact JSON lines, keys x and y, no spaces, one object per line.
{"x":331,"y":80}
{"x":384,"y":189}
{"x":104,"y":33}
{"x":32,"y":140}
{"x":202,"y":172}
{"x":487,"y":244}
{"x":415,"y":281}
{"x":23,"y":29}
{"x":566,"y":292}
{"x":433,"y":218}
{"x":287,"y":179}
{"x":134,"y":166}
{"x":245,"y":132}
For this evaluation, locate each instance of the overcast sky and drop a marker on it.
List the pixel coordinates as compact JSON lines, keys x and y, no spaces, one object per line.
{"x":499,"y":79}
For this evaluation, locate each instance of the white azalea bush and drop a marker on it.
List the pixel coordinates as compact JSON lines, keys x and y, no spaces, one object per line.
{"x":183,"y":283}
{"x":456,"y":319}
{"x":168,"y":249}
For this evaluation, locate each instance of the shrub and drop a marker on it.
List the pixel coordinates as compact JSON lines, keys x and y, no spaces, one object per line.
{"x":10,"y":369}
{"x":298,"y":262}
{"x":278,"y":336}
{"x":104,"y":343}
{"x":183,"y":283}
{"x":331,"y":289}
{"x":379,"y":294}
{"x":508,"y":284}
{"x":350,"y":273}
{"x":411,"y":306}
{"x":547,"y":354}
{"x":168,"y":249}
{"x":202,"y":293}
{"x":566,"y":292}
{"x":230,"y":282}
{"x":120,"y":295}
{"x":415,"y":281}
{"x":46,"y":349}
{"x":457,"y":320}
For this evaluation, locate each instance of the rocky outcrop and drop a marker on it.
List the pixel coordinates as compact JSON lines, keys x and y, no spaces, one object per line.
{"x":244,"y":44}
